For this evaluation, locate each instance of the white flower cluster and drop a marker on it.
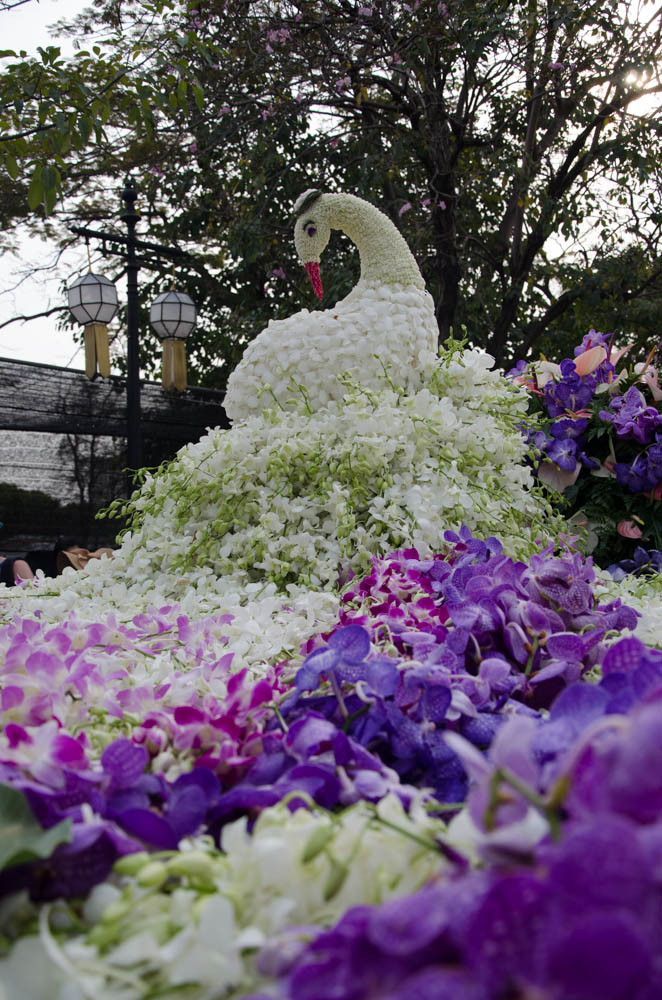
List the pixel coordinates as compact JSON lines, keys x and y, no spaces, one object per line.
{"x":197,"y":917}
{"x":259,"y":521}
{"x":373,"y":328}
{"x":645,"y":595}
{"x":294,"y":499}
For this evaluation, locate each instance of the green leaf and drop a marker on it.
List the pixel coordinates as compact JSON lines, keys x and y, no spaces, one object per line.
{"x":49,"y":179}
{"x":84,"y":128}
{"x":21,"y":836}
{"x":36,"y":189}
{"x":199,"y":97}
{"x":12,"y":166}
{"x":50,"y":197}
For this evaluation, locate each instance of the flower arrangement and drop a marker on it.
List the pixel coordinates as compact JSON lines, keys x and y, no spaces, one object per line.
{"x":598,"y":440}
{"x":228,"y":843}
{"x":343,"y":755}
{"x":347,"y":715}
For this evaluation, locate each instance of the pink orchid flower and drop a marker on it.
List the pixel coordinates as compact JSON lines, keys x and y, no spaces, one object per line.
{"x":628,"y":529}
{"x":651,"y":377}
{"x":616,"y":355}
{"x":590,"y":360}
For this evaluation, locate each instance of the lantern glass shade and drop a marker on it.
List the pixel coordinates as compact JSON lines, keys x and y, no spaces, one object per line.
{"x":172,"y":314}
{"x":92,"y":299}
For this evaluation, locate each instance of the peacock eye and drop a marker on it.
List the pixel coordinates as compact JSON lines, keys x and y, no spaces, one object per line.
{"x":310,"y":229}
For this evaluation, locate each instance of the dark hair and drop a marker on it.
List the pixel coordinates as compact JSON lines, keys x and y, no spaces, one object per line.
{"x":67,"y":542}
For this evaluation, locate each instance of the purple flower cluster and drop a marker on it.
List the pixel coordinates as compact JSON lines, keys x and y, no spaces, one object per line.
{"x":478,"y":637}
{"x":631,"y":418}
{"x":123,"y":807}
{"x":644,"y":562}
{"x":566,"y":930}
{"x":456,"y":643}
{"x":571,"y":393}
{"x":313,"y":759}
{"x":635,"y":421}
{"x":576,"y":915}
{"x":566,"y":398}
{"x":113,"y":811}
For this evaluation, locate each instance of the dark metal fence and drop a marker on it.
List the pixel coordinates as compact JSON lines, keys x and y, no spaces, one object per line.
{"x":63,"y":445}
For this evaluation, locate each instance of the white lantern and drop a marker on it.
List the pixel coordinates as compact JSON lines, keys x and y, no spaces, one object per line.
{"x":173,"y":315}
{"x":93,"y":299}
{"x":93,"y":302}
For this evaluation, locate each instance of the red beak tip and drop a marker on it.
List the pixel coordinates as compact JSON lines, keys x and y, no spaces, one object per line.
{"x":313,"y":272}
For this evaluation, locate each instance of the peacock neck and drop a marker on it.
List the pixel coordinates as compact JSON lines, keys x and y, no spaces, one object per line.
{"x":385,"y":257}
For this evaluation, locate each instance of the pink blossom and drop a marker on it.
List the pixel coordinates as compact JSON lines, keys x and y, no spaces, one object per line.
{"x":278,"y":272}
{"x":223,"y":111}
{"x":405,"y":208}
{"x":278,"y":35}
{"x":555,"y":65}
{"x":344,"y":83}
{"x":616,"y":355}
{"x":193,"y":148}
{"x":334,"y":143}
{"x":628,"y":529}
{"x":588,"y":361}
{"x":650,"y":377}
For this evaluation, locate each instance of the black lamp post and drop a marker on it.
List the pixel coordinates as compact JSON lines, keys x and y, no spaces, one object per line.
{"x":134,"y":437}
{"x":136,"y":254}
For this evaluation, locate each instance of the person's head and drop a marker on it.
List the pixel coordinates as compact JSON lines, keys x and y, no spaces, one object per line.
{"x":69,"y":543}
{"x":70,"y":552}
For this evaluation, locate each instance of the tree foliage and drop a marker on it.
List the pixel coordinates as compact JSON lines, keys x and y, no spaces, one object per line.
{"x":517,"y":145}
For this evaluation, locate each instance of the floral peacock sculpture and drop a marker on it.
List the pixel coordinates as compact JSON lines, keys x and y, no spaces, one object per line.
{"x":386,"y":323}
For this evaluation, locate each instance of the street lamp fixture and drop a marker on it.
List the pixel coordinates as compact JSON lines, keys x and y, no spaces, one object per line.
{"x":93,"y":302}
{"x":172,"y":316}
{"x":135,"y":253}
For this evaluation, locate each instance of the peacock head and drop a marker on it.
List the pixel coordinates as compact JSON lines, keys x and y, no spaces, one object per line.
{"x":311,"y":234}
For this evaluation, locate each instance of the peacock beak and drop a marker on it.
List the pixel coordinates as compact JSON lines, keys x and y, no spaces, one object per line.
{"x":313,"y":272}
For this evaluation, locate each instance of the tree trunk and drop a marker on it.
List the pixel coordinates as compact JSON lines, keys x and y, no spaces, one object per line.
{"x":447,"y":267}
